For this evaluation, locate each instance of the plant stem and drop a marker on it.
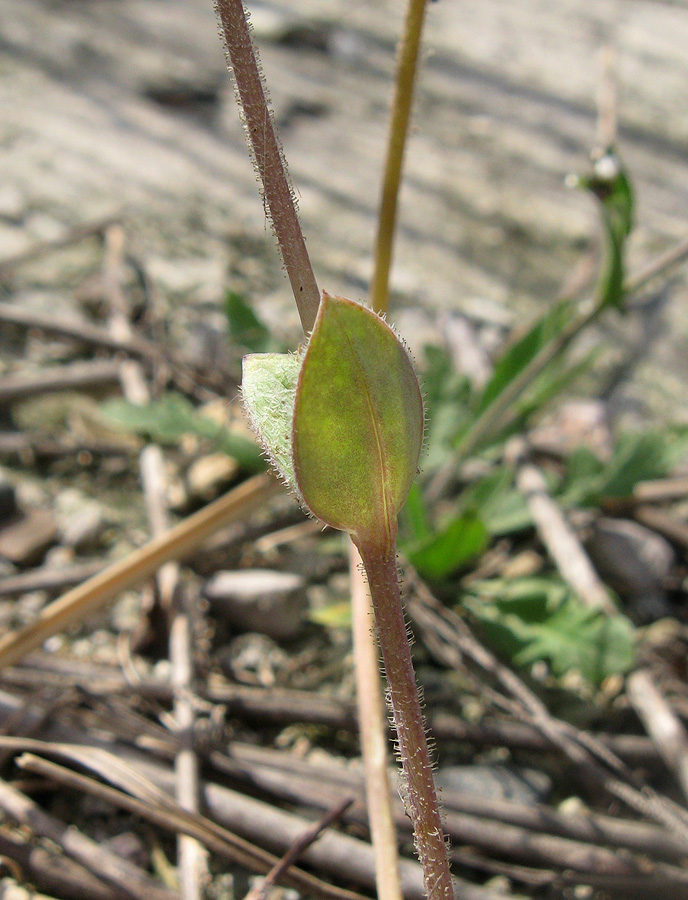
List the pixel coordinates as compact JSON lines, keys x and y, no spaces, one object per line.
{"x":420,"y":795}
{"x":401,"y":111}
{"x":268,"y":157}
{"x":368,"y":687}
{"x":373,"y":732}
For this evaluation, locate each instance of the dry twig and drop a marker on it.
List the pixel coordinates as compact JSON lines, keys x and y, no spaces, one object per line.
{"x":661,"y":723}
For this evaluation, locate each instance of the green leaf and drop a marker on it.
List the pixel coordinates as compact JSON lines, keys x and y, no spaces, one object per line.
{"x":447,"y":394}
{"x":415,"y":514}
{"x":334,"y":615}
{"x":245,"y":328}
{"x":637,"y":457}
{"x":610,"y":184}
{"x":358,"y":422}
{"x":539,"y":619}
{"x":169,"y":418}
{"x":448,"y":550}
{"x":268,"y":386}
{"x":502,"y":508}
{"x":523,"y":351}
{"x":576,"y":637}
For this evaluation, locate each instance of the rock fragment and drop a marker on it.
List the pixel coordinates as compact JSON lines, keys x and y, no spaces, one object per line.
{"x":25,"y":540}
{"x":262,"y":600}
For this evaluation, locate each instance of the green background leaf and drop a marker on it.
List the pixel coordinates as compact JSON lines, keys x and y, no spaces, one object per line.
{"x":534,"y":619}
{"x":169,"y":418}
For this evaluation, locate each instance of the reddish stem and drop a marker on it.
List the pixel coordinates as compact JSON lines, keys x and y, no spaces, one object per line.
{"x":268,"y":158}
{"x":420,"y":795}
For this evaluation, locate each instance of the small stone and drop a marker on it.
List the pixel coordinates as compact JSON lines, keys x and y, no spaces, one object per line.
{"x":207,"y":475}
{"x":262,"y":600}
{"x":81,"y":520}
{"x":254,"y":659}
{"x":25,"y":540}
{"x":83,"y":529}
{"x":636,"y":562}
{"x":496,"y":782}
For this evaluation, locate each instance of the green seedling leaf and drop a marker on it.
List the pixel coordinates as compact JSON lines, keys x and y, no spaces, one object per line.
{"x":245,"y":328}
{"x":335,"y":615}
{"x":448,"y":396}
{"x":268,"y":386}
{"x":448,"y":550}
{"x":539,"y":619}
{"x":172,"y":416}
{"x":358,"y":422}
{"x":637,"y":457}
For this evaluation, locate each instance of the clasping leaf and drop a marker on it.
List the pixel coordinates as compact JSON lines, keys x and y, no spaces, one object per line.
{"x":358,"y":422}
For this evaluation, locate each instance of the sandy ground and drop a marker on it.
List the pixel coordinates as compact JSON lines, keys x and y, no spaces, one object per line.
{"x":125,"y":107}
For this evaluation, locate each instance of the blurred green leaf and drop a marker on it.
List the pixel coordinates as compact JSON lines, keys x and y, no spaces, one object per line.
{"x":169,"y":418}
{"x":335,"y":615}
{"x":447,"y":394}
{"x":609,"y":182}
{"x":539,"y":619}
{"x":637,"y":457}
{"x":523,"y":351}
{"x":450,"y":548}
{"x":414,"y":517}
{"x":246,"y":329}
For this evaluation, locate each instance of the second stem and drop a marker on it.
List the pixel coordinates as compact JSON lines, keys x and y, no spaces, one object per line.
{"x":420,"y":795}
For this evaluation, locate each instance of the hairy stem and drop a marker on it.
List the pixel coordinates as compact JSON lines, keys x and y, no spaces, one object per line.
{"x":373,"y":731}
{"x":420,"y":795}
{"x":268,"y":157}
{"x":401,"y":110}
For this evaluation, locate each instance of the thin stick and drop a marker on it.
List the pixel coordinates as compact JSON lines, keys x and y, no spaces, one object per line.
{"x":373,"y":734}
{"x":73,"y":236}
{"x":268,"y":157}
{"x":82,"y":375}
{"x":401,"y":111}
{"x":179,"y":541}
{"x":191,"y":855}
{"x":79,"y":330}
{"x":48,"y":578}
{"x":96,"y":859}
{"x":558,"y":536}
{"x":661,"y":723}
{"x":171,"y":817}
{"x":261,"y":891}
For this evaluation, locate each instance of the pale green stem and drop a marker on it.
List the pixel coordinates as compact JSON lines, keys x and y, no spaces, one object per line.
{"x":269,"y":158}
{"x":401,"y":111}
{"x":419,"y":788}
